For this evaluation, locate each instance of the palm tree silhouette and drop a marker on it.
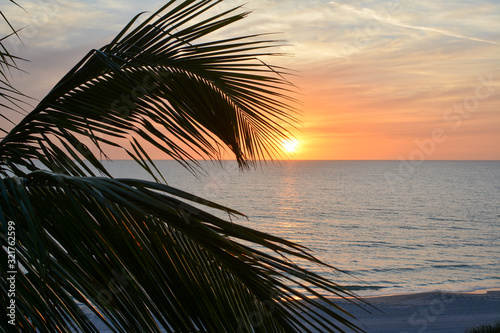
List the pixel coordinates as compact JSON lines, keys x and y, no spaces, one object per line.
{"x":140,"y":255}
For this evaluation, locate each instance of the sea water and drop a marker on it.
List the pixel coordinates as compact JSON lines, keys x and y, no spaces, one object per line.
{"x":395,"y":227}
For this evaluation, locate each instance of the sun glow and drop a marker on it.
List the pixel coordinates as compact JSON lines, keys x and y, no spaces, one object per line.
{"x":290,"y":145}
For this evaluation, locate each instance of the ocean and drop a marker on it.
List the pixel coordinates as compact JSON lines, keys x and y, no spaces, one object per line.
{"x":395,"y":227}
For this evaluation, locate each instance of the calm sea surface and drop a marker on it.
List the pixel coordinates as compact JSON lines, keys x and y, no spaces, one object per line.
{"x":395,"y":227}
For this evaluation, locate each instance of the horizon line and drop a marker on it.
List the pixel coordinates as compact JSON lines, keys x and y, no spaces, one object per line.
{"x":324,"y":160}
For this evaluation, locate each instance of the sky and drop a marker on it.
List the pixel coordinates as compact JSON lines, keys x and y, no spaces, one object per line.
{"x":378,"y":80}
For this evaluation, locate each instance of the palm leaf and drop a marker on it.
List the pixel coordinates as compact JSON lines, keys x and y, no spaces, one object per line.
{"x":143,"y":256}
{"x":165,"y":83}
{"x":10,"y":97}
{"x":173,"y":266}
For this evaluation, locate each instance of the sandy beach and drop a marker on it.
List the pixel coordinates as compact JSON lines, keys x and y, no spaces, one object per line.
{"x":441,"y":312}
{"x":431,"y":312}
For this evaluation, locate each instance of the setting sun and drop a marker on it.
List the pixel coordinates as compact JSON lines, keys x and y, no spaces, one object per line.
{"x":290,"y":145}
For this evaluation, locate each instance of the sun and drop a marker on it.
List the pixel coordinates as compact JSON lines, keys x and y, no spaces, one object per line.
{"x":290,"y":145}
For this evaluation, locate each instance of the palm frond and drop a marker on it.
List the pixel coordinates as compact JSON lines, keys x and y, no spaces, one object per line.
{"x":10,"y":97}
{"x":143,"y":258}
{"x":165,"y":84}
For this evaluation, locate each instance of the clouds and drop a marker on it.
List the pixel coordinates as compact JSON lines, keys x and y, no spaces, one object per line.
{"x":66,"y":24}
{"x":399,"y":70}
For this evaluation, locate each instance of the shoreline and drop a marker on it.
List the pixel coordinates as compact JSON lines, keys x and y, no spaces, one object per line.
{"x":478,"y":290}
{"x":429,"y":312}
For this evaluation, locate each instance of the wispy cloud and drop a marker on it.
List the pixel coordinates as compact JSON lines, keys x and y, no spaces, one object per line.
{"x":389,"y":18}
{"x":443,"y":32}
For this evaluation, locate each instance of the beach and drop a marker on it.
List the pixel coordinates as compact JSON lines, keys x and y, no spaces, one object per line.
{"x":429,"y":312}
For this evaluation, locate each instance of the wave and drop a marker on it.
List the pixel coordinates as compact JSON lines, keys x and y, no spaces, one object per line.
{"x":445,"y":219}
{"x":358,"y":287}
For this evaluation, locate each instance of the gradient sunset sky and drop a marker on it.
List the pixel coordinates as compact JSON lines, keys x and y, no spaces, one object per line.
{"x":378,"y":79}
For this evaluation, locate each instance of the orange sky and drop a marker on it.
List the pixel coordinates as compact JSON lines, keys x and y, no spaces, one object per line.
{"x":392,"y":119}
{"x":378,"y":80}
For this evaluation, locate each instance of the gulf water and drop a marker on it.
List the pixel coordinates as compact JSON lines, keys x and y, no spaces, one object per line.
{"x":395,"y":227}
